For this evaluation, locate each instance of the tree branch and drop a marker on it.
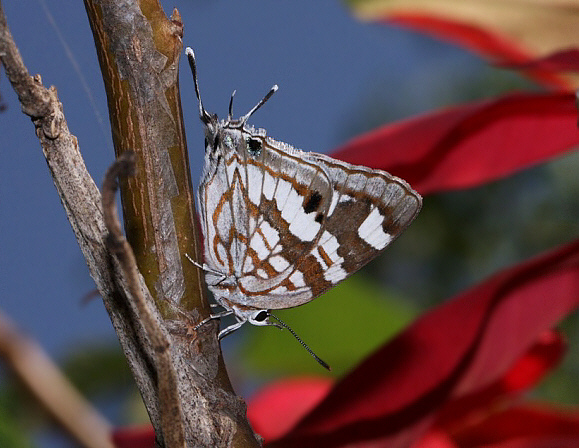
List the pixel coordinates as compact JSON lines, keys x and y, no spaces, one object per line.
{"x":169,"y":403}
{"x":138,"y":49}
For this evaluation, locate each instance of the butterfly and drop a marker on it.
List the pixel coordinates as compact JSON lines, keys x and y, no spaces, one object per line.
{"x":280,"y":225}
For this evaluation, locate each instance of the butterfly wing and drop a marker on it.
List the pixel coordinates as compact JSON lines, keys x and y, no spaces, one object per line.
{"x":288,"y":225}
{"x":370,"y":209}
{"x":255,"y":204}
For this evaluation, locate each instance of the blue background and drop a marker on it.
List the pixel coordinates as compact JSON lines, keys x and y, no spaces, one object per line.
{"x":337,"y":77}
{"x":328,"y":66}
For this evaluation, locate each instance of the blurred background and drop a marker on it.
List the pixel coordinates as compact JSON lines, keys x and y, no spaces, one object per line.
{"x":338,"y":77}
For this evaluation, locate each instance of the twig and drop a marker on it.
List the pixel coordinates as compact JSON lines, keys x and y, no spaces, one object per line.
{"x":172,"y":424}
{"x":34,"y":98}
{"x":81,"y":200}
{"x":51,"y":388}
{"x":138,"y":49}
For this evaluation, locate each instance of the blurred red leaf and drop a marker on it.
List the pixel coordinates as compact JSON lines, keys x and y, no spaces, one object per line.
{"x":278,"y":406}
{"x":561,"y":61}
{"x":134,"y":437}
{"x":480,"y":39}
{"x":435,"y":439}
{"x":453,"y":351}
{"x":465,"y":146}
{"x":498,"y":48}
{"x":524,"y":427}
{"x":508,"y":32}
{"x":529,"y":369}
{"x":540,"y":359}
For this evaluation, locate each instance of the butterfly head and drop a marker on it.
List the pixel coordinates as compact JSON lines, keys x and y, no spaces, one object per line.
{"x":231,"y":133}
{"x":253,"y":316}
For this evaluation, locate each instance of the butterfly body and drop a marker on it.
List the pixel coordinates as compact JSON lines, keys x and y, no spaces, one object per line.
{"x":281,"y":225}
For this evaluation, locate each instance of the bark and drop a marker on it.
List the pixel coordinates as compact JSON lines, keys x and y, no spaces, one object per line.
{"x":153,"y":294}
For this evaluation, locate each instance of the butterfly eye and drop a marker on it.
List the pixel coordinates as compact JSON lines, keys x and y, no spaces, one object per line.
{"x":261,"y":316}
{"x":254,"y":146}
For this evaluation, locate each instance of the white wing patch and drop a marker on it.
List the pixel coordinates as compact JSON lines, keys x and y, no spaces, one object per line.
{"x":305,"y":229}
{"x":254,"y":183}
{"x":371,"y":230}
{"x":279,"y":263}
{"x":268,"y":186}
{"x":258,"y":245}
{"x":297,"y":278}
{"x":271,"y":235}
{"x":335,"y":273}
{"x":292,"y":206}
{"x":282,"y":192}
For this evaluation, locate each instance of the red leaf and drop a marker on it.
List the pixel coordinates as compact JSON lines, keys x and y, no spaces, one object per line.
{"x":469,"y":145}
{"x":529,"y":426}
{"x":539,"y":360}
{"x":435,"y":439}
{"x":477,"y":38}
{"x":526,"y":372}
{"x":499,"y":48}
{"x":455,"y":350}
{"x":134,"y":437}
{"x":561,"y":61}
{"x":276,"y":408}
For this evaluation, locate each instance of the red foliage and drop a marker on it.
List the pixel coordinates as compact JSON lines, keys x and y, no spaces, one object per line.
{"x":498,"y":48}
{"x":134,"y":437}
{"x":562,"y":61}
{"x":465,"y":146}
{"x":450,"y":355}
{"x":529,"y":426}
{"x":279,"y":406}
{"x":477,"y":39}
{"x":276,"y":408}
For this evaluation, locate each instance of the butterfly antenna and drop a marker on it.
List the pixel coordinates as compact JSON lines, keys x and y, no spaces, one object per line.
{"x":304,"y":345}
{"x":205,"y":117}
{"x":229,"y":115}
{"x":258,"y":105}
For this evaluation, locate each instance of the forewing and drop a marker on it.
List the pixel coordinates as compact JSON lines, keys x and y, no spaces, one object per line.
{"x":314,"y":221}
{"x":369,"y":210}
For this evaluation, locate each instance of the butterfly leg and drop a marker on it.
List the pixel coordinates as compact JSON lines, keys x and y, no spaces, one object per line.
{"x":213,"y":317}
{"x":230,"y":329}
{"x":206,"y":268}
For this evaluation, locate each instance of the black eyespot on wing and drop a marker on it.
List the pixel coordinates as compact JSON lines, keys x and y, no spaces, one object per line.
{"x":312,"y":202}
{"x":254,"y":146}
{"x":261,"y":316}
{"x":319,"y":218}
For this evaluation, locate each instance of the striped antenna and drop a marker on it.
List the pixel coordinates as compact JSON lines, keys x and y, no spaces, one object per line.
{"x":205,"y":116}
{"x":304,"y":345}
